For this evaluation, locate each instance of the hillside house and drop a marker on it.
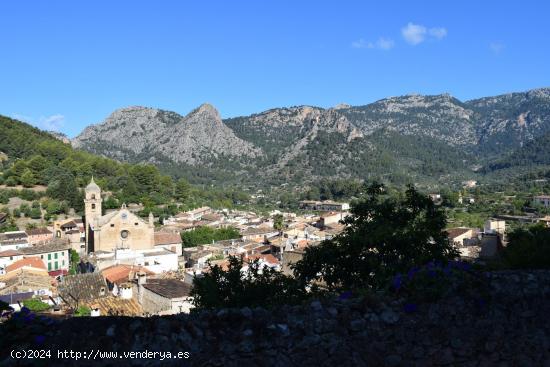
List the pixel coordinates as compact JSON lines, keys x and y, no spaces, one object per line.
{"x":39,"y":236}
{"x":543,"y":200}
{"x":164,"y":296}
{"x":324,"y":206}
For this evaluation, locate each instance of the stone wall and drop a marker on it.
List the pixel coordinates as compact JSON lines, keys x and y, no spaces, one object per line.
{"x":511,"y":327}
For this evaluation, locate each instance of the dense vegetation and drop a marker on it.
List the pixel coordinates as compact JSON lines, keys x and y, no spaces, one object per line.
{"x":528,"y":248}
{"x":383,"y":236}
{"x":256,"y":287}
{"x":203,"y":235}
{"x":33,"y":157}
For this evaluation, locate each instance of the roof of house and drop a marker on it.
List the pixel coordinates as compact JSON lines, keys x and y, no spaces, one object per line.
{"x":167,"y":238}
{"x":257,"y":231}
{"x":69,"y":224}
{"x":212,"y":217}
{"x":10,"y":236}
{"x":115,"y":306}
{"x":25,"y":279}
{"x":8,"y":253}
{"x":83,"y":287}
{"x":16,"y":297}
{"x":268,"y":258}
{"x":168,"y":288}
{"x":29,"y":262}
{"x":49,"y":247}
{"x":122,"y":273}
{"x":38,"y":231}
{"x":160,"y":252}
{"x":455,"y":232}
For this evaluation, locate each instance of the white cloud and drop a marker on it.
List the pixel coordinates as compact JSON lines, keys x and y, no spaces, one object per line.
{"x":361,"y":43}
{"x":53,"y":122}
{"x":382,"y":44}
{"x":415,"y":34}
{"x":385,"y":43}
{"x":497,"y":47}
{"x":438,"y":33}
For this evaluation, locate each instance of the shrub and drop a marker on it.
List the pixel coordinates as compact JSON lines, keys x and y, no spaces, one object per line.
{"x":528,"y":248}
{"x":254,"y":287}
{"x":36,"y":305}
{"x":83,"y":311}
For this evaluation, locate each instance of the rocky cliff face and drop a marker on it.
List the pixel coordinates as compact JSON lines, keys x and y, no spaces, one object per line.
{"x":418,"y":136}
{"x":148,"y":134}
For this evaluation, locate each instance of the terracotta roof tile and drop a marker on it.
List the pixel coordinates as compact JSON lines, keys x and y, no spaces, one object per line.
{"x":122,"y":273}
{"x":32,"y":262}
{"x":167,"y":238}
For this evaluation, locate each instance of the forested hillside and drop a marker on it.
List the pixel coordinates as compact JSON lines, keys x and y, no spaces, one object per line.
{"x":33,"y":157}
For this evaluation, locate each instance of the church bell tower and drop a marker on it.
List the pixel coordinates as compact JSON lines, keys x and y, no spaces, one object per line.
{"x":92,"y":211}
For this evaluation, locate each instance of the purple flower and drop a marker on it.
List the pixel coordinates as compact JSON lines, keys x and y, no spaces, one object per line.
{"x":447,"y":270}
{"x":39,"y":339}
{"x":345,"y":295}
{"x":410,"y":307}
{"x":25,"y":310}
{"x":432,"y":274}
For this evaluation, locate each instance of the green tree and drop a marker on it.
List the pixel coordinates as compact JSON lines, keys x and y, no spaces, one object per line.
{"x":74,"y":260}
{"x":383,"y":236}
{"x":278,"y":222}
{"x":182,"y":189}
{"x":203,"y":235}
{"x":254,"y":287}
{"x":35,"y":213}
{"x":528,"y":248}
{"x":11,"y":181}
{"x":27,"y":178}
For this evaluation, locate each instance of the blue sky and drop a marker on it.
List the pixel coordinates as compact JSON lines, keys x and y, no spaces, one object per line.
{"x":67,"y":64}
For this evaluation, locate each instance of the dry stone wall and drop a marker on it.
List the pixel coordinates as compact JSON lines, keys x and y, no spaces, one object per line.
{"x":511,"y":327}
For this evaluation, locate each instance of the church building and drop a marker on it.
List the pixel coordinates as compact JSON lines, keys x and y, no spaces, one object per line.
{"x":120,"y":229}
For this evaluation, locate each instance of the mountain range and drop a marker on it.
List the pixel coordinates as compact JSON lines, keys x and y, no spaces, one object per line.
{"x":411,"y":138}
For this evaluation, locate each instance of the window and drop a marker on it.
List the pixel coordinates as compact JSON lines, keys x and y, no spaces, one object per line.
{"x":136,"y":223}
{"x":93,"y":206}
{"x":102,"y":291}
{"x":93,"y":196}
{"x":42,"y":257}
{"x":112,"y":225}
{"x":63,"y":263}
{"x":56,"y":266}
{"x":49,"y":266}
{"x":124,"y":234}
{"x":55,"y":255}
{"x":49,"y":256}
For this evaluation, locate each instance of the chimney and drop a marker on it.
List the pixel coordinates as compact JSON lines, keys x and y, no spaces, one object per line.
{"x":125,"y":291}
{"x":142,"y":277}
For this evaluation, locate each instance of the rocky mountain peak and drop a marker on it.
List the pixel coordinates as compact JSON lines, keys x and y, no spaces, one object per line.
{"x":206,"y":110}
